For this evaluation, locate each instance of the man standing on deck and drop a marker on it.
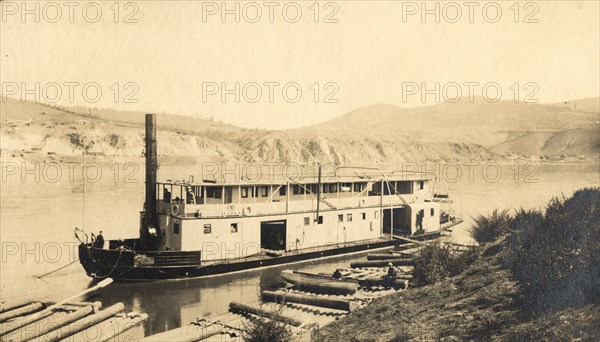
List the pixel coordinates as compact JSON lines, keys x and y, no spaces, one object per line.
{"x":99,"y":243}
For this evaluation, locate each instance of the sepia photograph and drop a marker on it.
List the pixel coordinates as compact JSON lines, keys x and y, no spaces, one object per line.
{"x":305,"y":170}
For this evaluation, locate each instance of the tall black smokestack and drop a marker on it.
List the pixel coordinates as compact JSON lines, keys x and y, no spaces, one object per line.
{"x":150,"y":220}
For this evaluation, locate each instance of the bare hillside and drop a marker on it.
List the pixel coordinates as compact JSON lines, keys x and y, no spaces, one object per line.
{"x":373,"y":135}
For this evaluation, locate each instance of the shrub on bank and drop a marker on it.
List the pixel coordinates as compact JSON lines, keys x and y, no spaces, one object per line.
{"x":489,"y":228}
{"x":437,"y":262}
{"x":556,"y":255}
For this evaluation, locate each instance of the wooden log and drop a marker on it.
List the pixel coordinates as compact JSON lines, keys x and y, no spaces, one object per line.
{"x":128,"y":326}
{"x":382,"y":263}
{"x":109,"y":329}
{"x":7,"y":306}
{"x":20,"y":311}
{"x":396,"y":283}
{"x":339,"y":304}
{"x":243,"y":308}
{"x":17,"y":324}
{"x":319,"y":283}
{"x":188,"y":333}
{"x":82,"y":324}
{"x":388,"y":257}
{"x":61,"y":322}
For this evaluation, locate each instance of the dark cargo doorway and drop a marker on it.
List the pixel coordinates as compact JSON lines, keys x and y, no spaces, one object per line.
{"x":272,"y":235}
{"x":401,"y":221}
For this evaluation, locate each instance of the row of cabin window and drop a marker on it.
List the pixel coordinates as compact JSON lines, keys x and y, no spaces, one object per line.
{"x":298,"y":189}
{"x":233,"y":228}
{"x":340,"y":218}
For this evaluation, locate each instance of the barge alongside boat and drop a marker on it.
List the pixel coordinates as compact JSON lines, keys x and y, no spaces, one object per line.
{"x":194,"y":229}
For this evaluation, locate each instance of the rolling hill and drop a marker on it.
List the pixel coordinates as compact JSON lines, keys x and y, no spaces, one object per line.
{"x":374,"y":135}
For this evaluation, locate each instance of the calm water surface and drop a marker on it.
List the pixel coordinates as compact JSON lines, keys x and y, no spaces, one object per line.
{"x":37,"y":221}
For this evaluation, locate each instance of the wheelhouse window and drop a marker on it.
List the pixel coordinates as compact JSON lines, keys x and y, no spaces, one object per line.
{"x":346,"y":187}
{"x":307,"y":221}
{"x":421,"y":185}
{"x":376,"y":214}
{"x":364,"y":216}
{"x":264,"y":191}
{"x":320,"y":219}
{"x":234,"y":227}
{"x":207,"y":229}
{"x":176,"y":228}
{"x":349,"y":217}
{"x":255,"y":191}
{"x":283,"y":190}
{"x":432,"y":212}
{"x":341,"y":218}
{"x":244,"y":192}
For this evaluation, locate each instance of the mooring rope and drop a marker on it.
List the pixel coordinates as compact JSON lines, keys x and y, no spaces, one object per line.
{"x":58,"y":269}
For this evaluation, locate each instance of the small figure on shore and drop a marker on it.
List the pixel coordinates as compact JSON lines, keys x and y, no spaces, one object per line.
{"x":337,"y":274}
{"x":391,"y":273}
{"x":99,"y":242}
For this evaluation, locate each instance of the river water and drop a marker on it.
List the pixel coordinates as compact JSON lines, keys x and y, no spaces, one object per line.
{"x":37,"y":217}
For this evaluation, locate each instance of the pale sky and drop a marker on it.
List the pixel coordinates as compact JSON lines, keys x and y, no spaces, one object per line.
{"x":367,"y":55}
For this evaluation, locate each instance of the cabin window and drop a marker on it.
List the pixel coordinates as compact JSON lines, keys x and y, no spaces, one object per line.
{"x":320,"y":219}
{"x":359,"y":187}
{"x":282,"y":190}
{"x":265,"y":191}
{"x":307,"y":221}
{"x":432,"y":212}
{"x":298,"y":189}
{"x":376,"y":190}
{"x":364,"y":216}
{"x":349,"y":217}
{"x":176,"y":228}
{"x":207,"y":229}
{"x":213,"y":192}
{"x":376,"y":214}
{"x":244,"y":192}
{"x":234,"y":227}
{"x":421,"y":185}
{"x":341,"y":218}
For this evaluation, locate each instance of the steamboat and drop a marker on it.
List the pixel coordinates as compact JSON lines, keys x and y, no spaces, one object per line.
{"x":193,"y":229}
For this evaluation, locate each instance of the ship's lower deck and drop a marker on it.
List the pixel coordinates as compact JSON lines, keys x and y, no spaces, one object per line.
{"x":128,"y":265}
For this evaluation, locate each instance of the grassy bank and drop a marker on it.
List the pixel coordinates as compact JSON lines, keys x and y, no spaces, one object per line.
{"x":534,"y":277}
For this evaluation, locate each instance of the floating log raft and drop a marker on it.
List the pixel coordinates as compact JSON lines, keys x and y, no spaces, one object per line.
{"x":246,"y":309}
{"x":320,"y":283}
{"x":187,"y":333}
{"x":65,"y":322}
{"x":281,"y":296}
{"x":389,"y":256}
{"x":383,"y":263}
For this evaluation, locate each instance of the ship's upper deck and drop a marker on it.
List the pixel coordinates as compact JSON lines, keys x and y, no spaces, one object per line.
{"x":261,"y":179}
{"x":270,"y":194}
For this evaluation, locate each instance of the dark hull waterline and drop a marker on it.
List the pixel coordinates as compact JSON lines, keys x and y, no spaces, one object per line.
{"x":118,"y":264}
